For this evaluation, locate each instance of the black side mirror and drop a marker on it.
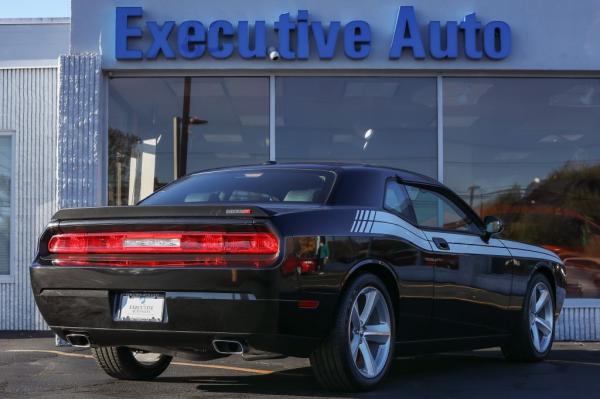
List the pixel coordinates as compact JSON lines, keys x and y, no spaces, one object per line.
{"x":492,"y":225}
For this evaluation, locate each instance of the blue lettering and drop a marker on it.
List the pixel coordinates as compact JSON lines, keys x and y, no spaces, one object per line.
{"x":357,"y":40}
{"x":123,"y":32}
{"x":407,"y":34}
{"x":496,"y":40}
{"x":302,"y":44}
{"x":160,"y":43}
{"x":191,"y":39}
{"x":435,"y":40}
{"x":325,"y":42}
{"x":297,"y":37}
{"x":217,"y":47}
{"x":260,"y":40}
{"x":471,"y":27}
{"x":284,"y":27}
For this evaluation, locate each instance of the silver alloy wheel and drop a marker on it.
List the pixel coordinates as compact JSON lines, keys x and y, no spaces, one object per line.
{"x":541,"y":316}
{"x":369,"y":332}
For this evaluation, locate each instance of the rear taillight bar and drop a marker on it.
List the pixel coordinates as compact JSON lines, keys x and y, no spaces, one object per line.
{"x":165,"y":242}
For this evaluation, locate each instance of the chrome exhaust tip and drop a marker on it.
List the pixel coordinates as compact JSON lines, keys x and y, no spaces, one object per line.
{"x":228,"y":347}
{"x":78,"y":340}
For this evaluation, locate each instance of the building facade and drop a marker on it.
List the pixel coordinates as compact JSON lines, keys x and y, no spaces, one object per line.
{"x":498,"y":101}
{"x":28,"y":132}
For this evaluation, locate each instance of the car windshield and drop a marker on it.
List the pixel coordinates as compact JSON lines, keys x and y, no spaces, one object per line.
{"x":247,"y":185}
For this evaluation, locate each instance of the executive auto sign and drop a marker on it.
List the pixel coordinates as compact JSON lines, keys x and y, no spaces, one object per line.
{"x":296,"y":38}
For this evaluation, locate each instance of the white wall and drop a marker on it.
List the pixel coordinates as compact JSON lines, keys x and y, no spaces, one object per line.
{"x":28,"y":104}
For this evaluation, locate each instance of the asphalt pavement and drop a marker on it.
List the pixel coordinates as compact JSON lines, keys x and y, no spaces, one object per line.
{"x":35,"y":368}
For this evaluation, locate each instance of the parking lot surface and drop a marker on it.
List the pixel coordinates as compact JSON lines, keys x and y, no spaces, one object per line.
{"x":34,"y":367}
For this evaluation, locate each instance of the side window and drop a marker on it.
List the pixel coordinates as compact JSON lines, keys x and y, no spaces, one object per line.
{"x":396,"y":199}
{"x":434,"y":210}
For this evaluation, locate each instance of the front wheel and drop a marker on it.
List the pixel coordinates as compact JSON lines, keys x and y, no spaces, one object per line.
{"x":127,"y":364}
{"x":534,"y":336}
{"x":358,"y":353}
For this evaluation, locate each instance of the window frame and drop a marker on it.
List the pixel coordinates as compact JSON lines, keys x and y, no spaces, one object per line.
{"x":453,"y":199}
{"x":10,"y":276}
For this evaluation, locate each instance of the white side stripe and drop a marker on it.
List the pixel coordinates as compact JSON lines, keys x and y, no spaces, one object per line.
{"x":385,"y":223}
{"x":387,"y":217}
{"x":397,"y":231}
{"x":521,"y":253}
{"x":515,"y":246}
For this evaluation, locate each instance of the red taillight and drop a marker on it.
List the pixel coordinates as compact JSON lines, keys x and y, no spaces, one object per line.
{"x":164,"y":242}
{"x":164,"y":248}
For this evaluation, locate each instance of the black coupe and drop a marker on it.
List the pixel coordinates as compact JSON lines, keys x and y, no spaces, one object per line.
{"x":349,"y":265}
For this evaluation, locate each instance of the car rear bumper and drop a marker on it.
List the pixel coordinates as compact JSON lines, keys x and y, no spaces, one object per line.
{"x":258,"y":307}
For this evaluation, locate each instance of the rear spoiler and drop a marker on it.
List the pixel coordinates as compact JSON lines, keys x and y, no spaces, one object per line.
{"x":159,"y":211}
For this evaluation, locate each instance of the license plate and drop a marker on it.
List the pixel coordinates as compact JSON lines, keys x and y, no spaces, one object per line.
{"x":141,"y":307}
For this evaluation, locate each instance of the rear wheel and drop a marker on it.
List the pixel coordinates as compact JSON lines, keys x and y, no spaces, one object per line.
{"x":127,"y":364}
{"x":535,"y":334}
{"x":358,"y":353}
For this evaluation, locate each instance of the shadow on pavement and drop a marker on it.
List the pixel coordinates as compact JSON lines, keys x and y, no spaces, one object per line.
{"x":467,"y":374}
{"x":295,"y":382}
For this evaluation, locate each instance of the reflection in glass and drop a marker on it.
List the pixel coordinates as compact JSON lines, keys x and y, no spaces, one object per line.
{"x":436,"y":211}
{"x":5,"y":194}
{"x":163,"y":128}
{"x":528,"y":150}
{"x":377,"y":120}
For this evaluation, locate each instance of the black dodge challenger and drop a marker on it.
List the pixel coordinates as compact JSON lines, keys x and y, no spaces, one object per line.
{"x":349,"y":265}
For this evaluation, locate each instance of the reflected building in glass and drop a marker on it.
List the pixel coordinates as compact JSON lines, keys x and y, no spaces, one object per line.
{"x":524,"y":149}
{"x":528,"y":150}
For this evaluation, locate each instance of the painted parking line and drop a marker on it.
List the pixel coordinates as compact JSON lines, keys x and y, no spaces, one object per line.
{"x":232,"y":368}
{"x":185,"y":364}
{"x":68,"y":354}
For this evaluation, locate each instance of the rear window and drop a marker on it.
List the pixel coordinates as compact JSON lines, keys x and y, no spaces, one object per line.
{"x":250,"y":185}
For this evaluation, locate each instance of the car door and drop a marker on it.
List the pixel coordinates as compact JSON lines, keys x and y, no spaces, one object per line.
{"x":472,"y":277}
{"x":405,"y":248}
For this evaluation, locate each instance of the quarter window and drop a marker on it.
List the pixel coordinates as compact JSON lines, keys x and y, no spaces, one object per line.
{"x":396,"y":200}
{"x":434,"y":210}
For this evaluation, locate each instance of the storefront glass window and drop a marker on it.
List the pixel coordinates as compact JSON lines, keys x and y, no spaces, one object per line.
{"x":528,"y":150}
{"x":5,"y":194}
{"x":161,"y":128}
{"x":377,"y":120}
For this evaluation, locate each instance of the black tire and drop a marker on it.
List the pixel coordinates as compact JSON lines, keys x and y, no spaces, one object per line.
{"x":332,"y":362}
{"x":120,"y":362}
{"x":520,"y":347}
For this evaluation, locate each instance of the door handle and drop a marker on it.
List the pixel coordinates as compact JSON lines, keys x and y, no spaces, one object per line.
{"x":441,"y":243}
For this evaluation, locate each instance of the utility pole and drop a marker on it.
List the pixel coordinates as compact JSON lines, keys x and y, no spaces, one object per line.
{"x":472,"y":194}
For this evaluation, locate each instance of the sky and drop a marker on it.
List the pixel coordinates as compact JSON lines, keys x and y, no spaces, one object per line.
{"x":35,"y":8}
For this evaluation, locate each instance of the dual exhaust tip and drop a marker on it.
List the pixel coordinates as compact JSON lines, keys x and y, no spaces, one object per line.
{"x":229,"y":347}
{"x":222,"y":346}
{"x":78,"y":340}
